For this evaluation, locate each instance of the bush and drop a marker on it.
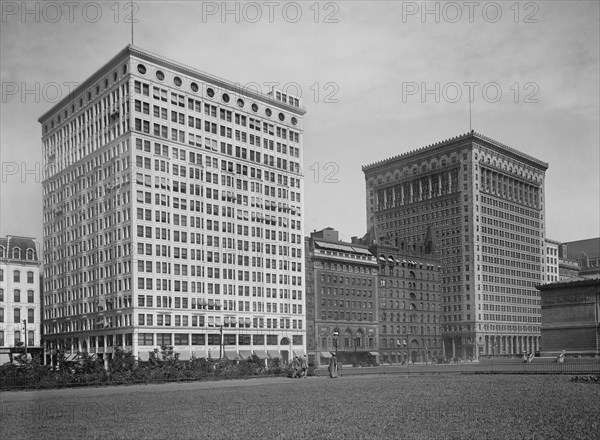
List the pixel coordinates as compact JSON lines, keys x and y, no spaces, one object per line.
{"x":163,"y":365}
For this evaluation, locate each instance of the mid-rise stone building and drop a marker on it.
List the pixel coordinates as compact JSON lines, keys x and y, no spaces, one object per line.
{"x":551,"y":257}
{"x":485,"y":203}
{"x":173,"y":214}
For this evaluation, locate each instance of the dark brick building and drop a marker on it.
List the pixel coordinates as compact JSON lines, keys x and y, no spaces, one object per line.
{"x":341,"y":299}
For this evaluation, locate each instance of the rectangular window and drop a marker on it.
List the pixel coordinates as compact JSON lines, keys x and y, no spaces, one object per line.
{"x":182,"y":339}
{"x":145,"y":339}
{"x":198,"y":339}
{"x":163,"y":339}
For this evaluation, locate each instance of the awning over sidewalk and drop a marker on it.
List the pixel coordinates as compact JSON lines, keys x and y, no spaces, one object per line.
{"x":200,"y":354}
{"x":245,"y":354}
{"x":231,"y":355}
{"x":326,"y":354}
{"x":274,"y":354}
{"x":374,"y":353}
{"x":261,"y":354}
{"x":299,"y":352}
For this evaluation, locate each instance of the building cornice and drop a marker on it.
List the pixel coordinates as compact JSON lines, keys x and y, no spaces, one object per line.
{"x":453,"y":142}
{"x":138,"y":52}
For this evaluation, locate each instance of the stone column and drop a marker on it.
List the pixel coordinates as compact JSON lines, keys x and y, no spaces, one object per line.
{"x":453,"y":348}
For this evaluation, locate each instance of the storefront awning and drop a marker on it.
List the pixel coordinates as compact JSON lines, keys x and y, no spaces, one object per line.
{"x":298,"y":352}
{"x":245,"y":354}
{"x":373,"y":353}
{"x":199,"y":354}
{"x":261,"y":354}
{"x":326,"y":354}
{"x":274,"y":354}
{"x":231,"y":355}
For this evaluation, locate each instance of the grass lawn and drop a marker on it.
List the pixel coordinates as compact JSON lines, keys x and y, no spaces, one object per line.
{"x":357,"y":407}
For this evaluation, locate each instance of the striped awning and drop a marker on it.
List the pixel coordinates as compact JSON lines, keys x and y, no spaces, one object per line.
{"x":326,"y":354}
{"x":245,"y":354}
{"x":261,"y":354}
{"x":274,"y":354}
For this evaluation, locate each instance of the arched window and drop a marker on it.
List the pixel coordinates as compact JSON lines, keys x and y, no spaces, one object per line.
{"x":16,"y":254}
{"x":17,"y":276}
{"x":30,"y":277}
{"x":2,"y":252}
{"x":30,"y":254}
{"x":17,"y":295}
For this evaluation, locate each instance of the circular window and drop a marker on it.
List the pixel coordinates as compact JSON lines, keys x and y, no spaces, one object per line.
{"x":194,"y":87}
{"x":142,"y":69}
{"x":281,"y":117}
{"x":254,"y":107}
{"x":225,"y":97}
{"x":210,"y":92}
{"x":177,"y":81}
{"x":240,"y":102}
{"x":268,"y":112}
{"x":294,"y":121}
{"x":160,"y":75}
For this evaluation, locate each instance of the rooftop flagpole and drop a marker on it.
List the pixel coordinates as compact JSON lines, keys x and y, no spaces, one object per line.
{"x":131,"y":7}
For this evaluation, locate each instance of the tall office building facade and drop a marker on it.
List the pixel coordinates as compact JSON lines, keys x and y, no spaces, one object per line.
{"x":172,"y":214}
{"x":484,"y":204}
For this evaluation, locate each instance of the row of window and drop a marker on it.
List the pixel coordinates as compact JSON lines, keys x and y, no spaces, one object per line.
{"x":17,"y":338}
{"x":17,"y":296}
{"x":210,"y":93}
{"x":17,"y":276}
{"x":16,"y":253}
{"x":17,"y":316}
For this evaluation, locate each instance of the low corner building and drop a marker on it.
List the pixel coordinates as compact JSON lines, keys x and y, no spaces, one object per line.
{"x":20,"y":308}
{"x":570,"y":317}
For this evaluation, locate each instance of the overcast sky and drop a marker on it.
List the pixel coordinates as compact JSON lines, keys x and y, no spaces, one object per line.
{"x":362,"y":68}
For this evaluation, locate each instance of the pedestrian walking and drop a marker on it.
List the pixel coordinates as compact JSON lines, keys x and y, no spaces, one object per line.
{"x":333,"y":373}
{"x":304,"y":364}
{"x":297,"y":368}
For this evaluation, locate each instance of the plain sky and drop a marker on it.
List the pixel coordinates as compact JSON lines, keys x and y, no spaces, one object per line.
{"x":377,"y":78}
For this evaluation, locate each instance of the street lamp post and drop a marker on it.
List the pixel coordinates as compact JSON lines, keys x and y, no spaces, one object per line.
{"x":25,"y":335}
{"x":221,"y":344}
{"x":335,"y":343}
{"x":356,"y":341}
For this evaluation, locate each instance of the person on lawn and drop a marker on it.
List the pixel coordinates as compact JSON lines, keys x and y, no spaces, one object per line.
{"x":333,"y":373}
{"x":304,"y":364}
